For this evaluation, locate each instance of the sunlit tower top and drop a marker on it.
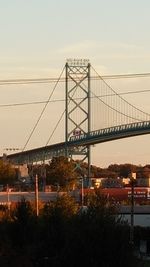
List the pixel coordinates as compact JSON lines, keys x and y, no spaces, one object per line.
{"x":77,"y":62}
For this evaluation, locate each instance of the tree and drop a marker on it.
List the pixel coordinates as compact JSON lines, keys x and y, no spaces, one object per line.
{"x":24,"y":226}
{"x":61,"y":172}
{"x":97,"y":237}
{"x":65,"y":206}
{"x":99,"y":205}
{"x":146,"y":172}
{"x":126,"y":169}
{"x":7,"y":173}
{"x":114,"y":168}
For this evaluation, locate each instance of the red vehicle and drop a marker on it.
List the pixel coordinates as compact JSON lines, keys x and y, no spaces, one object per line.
{"x":141,"y":194}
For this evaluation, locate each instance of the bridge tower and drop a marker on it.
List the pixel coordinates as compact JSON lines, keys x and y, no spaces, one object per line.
{"x":78,"y":108}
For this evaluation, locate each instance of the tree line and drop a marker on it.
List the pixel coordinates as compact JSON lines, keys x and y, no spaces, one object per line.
{"x":63,"y":172}
{"x":66,"y":235}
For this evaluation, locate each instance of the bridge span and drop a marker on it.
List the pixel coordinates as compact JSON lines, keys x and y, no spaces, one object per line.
{"x":78,"y":141}
{"x":94,"y":113}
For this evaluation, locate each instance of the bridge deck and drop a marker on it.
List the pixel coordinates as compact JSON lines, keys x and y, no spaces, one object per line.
{"x":94,"y":137}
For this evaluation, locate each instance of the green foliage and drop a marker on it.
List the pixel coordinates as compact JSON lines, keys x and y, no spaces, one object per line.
{"x":99,"y":204}
{"x":7,"y":173}
{"x":61,"y":172}
{"x":63,"y":236}
{"x":126,"y":169}
{"x":64,"y":207}
{"x":121,"y":170}
{"x":24,"y":221}
{"x":22,"y":212}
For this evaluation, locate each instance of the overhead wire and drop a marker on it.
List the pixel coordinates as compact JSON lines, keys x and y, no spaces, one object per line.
{"x":62,"y":79}
{"x":62,"y":100}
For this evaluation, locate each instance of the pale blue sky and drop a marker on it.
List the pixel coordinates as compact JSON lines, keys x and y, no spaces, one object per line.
{"x":38,"y":35}
{"x":42,"y":33}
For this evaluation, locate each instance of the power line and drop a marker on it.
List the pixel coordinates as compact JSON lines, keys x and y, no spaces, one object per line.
{"x":53,"y":80}
{"x":63,"y":100}
{"x":61,"y":79}
{"x":127,"y":76}
{"x":31,"y":103}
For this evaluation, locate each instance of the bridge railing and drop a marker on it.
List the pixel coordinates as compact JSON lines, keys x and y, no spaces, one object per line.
{"x":131,"y":127}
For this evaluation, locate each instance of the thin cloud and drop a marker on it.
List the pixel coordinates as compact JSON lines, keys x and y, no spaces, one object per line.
{"x":112,"y":50}
{"x":78,"y":48}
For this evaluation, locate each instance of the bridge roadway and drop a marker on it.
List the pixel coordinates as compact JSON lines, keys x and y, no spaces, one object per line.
{"x":75,"y":142}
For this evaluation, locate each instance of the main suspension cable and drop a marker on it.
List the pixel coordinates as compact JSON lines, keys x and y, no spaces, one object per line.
{"x":42,"y":112}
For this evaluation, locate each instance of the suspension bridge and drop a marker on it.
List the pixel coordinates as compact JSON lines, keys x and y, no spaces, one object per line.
{"x":94,"y":113}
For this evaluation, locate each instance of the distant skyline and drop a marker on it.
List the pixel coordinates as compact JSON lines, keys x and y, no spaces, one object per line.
{"x":38,"y":36}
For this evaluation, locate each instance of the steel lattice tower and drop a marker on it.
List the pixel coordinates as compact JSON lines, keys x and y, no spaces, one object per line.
{"x":78,"y":107}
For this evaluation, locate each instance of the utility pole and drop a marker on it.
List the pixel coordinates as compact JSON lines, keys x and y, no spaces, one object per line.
{"x":82,"y":191}
{"x":8,"y":199}
{"x":132,"y":181}
{"x":36,"y":196}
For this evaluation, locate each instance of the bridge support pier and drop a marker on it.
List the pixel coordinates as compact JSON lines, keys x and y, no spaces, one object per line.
{"x":78,"y":119}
